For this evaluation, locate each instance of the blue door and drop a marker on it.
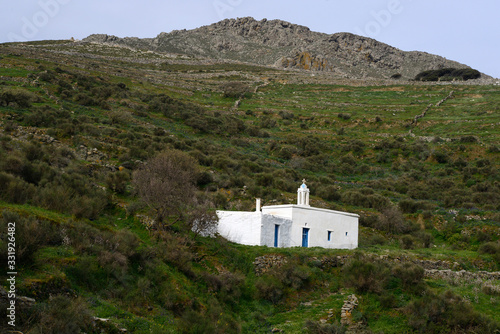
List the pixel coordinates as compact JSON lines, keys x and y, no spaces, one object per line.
{"x":276,"y":233}
{"x":305,"y":237}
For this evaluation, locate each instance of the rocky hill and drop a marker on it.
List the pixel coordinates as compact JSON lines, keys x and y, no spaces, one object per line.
{"x":285,"y":45}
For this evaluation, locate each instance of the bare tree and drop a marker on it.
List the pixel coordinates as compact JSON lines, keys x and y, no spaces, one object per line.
{"x":166,"y":184}
{"x":203,"y":219}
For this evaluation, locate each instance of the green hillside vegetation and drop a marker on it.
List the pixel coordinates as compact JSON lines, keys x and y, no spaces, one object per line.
{"x":77,"y":129}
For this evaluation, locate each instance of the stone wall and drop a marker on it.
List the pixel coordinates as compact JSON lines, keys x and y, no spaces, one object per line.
{"x":264,"y":263}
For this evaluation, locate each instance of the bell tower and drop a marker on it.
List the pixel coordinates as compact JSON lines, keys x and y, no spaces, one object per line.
{"x":303,"y":194}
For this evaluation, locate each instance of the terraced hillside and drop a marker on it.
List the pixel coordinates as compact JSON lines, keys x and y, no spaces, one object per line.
{"x":418,"y":161}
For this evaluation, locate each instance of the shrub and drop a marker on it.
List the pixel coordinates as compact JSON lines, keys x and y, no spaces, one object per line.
{"x":328,"y":192}
{"x":411,"y":275}
{"x":426,"y":238}
{"x":344,"y":116}
{"x":212,"y":320}
{"x":20,"y":98}
{"x":15,"y":190}
{"x":407,"y":242}
{"x":392,"y":221}
{"x":372,"y":240}
{"x":228,"y":286}
{"x":447,"y":313}
{"x":441,"y":157}
{"x":354,"y":145}
{"x":88,"y":273}
{"x":448,"y":74}
{"x":314,"y":327}
{"x":408,"y":205}
{"x":235,"y":89}
{"x":63,"y":315}
{"x":31,"y":235}
{"x":293,"y":275}
{"x":489,"y":248}
{"x":85,"y":100}
{"x":375,"y":201}
{"x":113,"y":263}
{"x":117,"y":181}
{"x":411,"y":206}
{"x":468,"y":139}
{"x":366,"y":276}
{"x":269,"y":288}
{"x":268,"y":123}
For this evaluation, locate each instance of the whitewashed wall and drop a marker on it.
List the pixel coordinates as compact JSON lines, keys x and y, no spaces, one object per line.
{"x":319,"y":222}
{"x":268,"y":228}
{"x":240,"y":227}
{"x":255,"y":228}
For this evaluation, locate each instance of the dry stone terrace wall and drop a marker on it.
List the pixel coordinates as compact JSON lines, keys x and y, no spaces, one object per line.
{"x":433,"y":269}
{"x":265,"y":263}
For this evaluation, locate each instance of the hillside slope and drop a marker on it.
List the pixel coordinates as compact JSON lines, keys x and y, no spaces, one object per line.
{"x":418,"y":161}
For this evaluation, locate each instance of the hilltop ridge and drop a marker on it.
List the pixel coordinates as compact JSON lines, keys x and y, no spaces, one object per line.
{"x":288,"y":46}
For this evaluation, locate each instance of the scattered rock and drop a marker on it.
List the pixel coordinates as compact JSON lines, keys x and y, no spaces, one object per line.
{"x":21,"y":301}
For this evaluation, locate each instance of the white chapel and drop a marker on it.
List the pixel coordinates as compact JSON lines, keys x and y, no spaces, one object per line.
{"x":291,"y":225}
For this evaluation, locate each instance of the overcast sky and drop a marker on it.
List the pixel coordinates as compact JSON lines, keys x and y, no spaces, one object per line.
{"x":465,"y":31}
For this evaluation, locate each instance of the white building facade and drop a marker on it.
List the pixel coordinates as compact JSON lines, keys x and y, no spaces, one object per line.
{"x":291,"y":225}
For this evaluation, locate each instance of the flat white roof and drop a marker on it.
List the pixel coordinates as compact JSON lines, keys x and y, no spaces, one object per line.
{"x":303,"y":207}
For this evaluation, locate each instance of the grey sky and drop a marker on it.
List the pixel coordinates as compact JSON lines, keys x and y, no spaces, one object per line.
{"x":456,"y":29}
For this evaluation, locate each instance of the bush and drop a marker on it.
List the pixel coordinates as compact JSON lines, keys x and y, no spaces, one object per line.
{"x":448,"y":74}
{"x":63,"y":315}
{"x":441,"y":157}
{"x":375,"y":201}
{"x":408,"y":205}
{"x":492,"y":248}
{"x":20,"y":98}
{"x":426,"y":238}
{"x":366,"y":276}
{"x":235,"y":89}
{"x":328,"y":193}
{"x":372,"y":240}
{"x":407,"y":242}
{"x":269,"y":288}
{"x":345,"y":117}
{"x":314,"y":327}
{"x":117,"y":181}
{"x":85,"y":100}
{"x":411,"y":275}
{"x":468,"y":139}
{"x":447,"y":313}
{"x":31,"y":235}
{"x":392,"y":221}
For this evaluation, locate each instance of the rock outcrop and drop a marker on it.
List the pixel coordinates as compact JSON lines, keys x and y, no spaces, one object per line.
{"x":286,"y":45}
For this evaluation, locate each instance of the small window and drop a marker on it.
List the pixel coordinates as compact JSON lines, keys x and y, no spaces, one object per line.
{"x":329,"y":235}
